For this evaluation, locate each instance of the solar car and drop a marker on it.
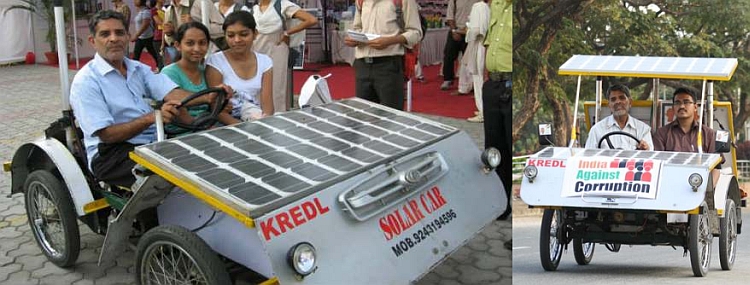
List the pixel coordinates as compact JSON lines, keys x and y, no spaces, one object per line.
{"x":346,"y":192}
{"x":638,"y":197}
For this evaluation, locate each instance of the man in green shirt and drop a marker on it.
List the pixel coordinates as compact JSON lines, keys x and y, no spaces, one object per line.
{"x":496,"y":92}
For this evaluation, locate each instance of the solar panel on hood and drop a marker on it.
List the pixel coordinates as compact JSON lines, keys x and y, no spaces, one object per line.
{"x":253,"y":164}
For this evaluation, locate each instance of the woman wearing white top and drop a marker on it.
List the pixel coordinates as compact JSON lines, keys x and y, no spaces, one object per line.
{"x":273,"y":40}
{"x":248,"y":73}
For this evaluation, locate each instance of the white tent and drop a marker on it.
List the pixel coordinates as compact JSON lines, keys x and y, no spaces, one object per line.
{"x":16,"y":36}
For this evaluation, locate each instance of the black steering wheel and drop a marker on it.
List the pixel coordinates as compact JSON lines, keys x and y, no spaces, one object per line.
{"x":206,"y":120}
{"x":609,"y":142}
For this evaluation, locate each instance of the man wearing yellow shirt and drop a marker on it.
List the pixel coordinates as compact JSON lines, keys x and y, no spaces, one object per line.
{"x":496,"y":92}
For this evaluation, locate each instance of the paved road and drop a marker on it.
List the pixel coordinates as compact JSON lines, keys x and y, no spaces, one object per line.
{"x":632,"y":265}
{"x":30,"y":100}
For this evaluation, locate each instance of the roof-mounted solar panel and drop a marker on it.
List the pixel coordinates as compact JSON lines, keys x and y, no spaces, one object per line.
{"x":720,"y":69}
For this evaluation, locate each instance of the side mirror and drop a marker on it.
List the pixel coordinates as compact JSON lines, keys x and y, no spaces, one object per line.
{"x":545,"y":134}
{"x":722,"y":141}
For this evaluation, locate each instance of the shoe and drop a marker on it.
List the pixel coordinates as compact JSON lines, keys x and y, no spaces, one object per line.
{"x":458,"y":93}
{"x":446,"y":85}
{"x":476,"y":119}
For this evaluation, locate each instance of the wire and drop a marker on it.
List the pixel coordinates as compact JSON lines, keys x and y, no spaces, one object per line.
{"x":206,"y":223}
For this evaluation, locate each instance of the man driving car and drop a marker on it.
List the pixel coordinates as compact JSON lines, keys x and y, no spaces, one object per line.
{"x":620,"y":120}
{"x":110,"y":96}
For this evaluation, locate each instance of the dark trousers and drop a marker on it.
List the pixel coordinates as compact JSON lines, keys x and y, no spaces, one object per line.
{"x":450,"y":53}
{"x":497,"y":108}
{"x":380,"y":80}
{"x":112,"y":164}
{"x":149,"y":45}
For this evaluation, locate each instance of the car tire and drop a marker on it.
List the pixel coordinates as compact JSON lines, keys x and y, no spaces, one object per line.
{"x":699,"y":241}
{"x":550,"y":248}
{"x":728,"y":236}
{"x":583,"y":252}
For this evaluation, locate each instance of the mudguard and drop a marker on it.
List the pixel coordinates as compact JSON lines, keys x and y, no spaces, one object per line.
{"x":51,"y":151}
{"x":726,"y":187}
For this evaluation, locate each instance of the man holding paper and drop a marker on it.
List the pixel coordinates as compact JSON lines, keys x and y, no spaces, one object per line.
{"x":381,"y":32}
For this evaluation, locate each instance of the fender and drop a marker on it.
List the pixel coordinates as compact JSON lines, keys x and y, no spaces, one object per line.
{"x":727,"y":186}
{"x":60,"y":158}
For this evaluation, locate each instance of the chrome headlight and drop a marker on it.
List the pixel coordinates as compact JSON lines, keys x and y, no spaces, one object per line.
{"x":491,"y":157}
{"x":530,"y":172}
{"x":695,"y":180}
{"x":302,"y":258}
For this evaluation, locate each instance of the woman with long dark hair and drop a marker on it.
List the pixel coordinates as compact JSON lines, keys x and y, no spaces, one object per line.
{"x":249,"y":73}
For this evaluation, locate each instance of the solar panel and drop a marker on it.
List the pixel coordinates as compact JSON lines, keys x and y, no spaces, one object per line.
{"x":651,"y":67}
{"x":255,"y":166}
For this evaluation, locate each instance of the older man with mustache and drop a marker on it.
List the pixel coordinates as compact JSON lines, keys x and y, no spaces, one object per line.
{"x":110,"y":96}
{"x":620,"y":120}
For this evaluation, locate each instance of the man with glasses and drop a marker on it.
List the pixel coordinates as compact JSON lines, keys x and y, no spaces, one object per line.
{"x":682,"y":133}
{"x":620,"y":120}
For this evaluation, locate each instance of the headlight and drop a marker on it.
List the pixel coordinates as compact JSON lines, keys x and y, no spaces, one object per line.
{"x":530,"y":172}
{"x":491,"y":157}
{"x":302,"y":258}
{"x":695,"y":180}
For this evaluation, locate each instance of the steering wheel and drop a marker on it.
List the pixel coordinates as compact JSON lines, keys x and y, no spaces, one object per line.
{"x":609,"y":142}
{"x":206,"y":120}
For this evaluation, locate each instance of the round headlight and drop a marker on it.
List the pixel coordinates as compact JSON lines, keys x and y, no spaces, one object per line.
{"x":491,"y":157}
{"x":695,"y":180}
{"x":302,"y":258}
{"x":530,"y":171}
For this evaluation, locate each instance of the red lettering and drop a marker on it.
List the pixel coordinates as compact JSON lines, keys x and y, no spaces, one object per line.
{"x":296,"y":216}
{"x":385,"y":228}
{"x":268,"y":229}
{"x":424,"y":203}
{"x":309,"y":209}
{"x":283,"y":220}
{"x":545,"y":163}
{"x":321,"y":210}
{"x":438,"y":197}
{"x":408,"y":214}
{"x":415,"y":209}
{"x":404,"y":225}
{"x":395,"y":226}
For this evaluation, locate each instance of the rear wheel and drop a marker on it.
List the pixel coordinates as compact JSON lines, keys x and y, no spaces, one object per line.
{"x":699,"y":241}
{"x":52,"y":218}
{"x":550,"y":248}
{"x":728,"y":236}
{"x":173,"y":255}
{"x":583,"y":252}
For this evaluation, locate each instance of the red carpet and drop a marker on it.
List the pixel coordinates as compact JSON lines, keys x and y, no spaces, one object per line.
{"x":427,"y":97}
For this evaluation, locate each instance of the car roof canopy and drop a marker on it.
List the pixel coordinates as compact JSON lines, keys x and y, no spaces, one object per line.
{"x":720,"y":69}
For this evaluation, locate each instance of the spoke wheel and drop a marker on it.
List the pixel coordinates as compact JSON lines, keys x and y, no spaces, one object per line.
{"x":550,"y":247}
{"x":174,"y":255}
{"x":52,"y":218}
{"x":728,"y":236}
{"x":583,"y":252}
{"x":699,"y":242}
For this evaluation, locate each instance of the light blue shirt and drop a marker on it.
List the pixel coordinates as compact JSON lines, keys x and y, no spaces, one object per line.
{"x":634,"y":127}
{"x":102,"y":97}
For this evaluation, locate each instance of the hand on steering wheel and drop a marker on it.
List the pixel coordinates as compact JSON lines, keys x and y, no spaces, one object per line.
{"x":609,"y":142}
{"x":206,"y":120}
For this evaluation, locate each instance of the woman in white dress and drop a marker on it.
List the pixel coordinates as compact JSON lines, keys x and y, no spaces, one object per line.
{"x":273,"y":40}
{"x":248,"y":73}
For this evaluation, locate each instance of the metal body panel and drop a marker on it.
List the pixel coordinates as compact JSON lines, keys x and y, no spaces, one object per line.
{"x":65,"y":163}
{"x":673,"y":192}
{"x":721,"y":192}
{"x":399,"y":244}
{"x":223,"y":234}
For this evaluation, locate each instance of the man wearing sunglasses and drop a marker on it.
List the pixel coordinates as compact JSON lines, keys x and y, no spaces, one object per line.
{"x":682,"y":133}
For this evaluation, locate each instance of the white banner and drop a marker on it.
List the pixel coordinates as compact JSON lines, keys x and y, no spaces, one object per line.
{"x":611,"y":176}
